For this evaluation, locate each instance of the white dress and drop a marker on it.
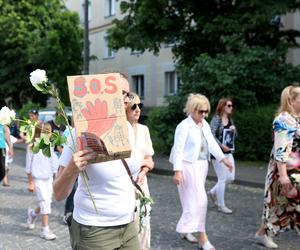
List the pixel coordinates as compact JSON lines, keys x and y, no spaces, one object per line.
{"x":143,"y":147}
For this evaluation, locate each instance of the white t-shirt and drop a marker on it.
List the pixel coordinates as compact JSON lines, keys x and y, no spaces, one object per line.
{"x":40,"y":166}
{"x":110,"y":186}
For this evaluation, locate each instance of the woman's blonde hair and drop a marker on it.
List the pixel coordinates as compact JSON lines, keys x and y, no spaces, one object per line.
{"x":288,"y":94}
{"x":133,"y":100}
{"x":196,"y":101}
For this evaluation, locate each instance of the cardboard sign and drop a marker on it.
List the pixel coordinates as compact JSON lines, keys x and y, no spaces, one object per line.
{"x":99,"y":115}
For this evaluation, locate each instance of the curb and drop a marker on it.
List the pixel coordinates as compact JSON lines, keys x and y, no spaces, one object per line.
{"x":165,"y":172}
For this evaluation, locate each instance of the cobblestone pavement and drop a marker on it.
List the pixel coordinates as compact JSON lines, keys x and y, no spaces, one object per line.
{"x":232,"y":232}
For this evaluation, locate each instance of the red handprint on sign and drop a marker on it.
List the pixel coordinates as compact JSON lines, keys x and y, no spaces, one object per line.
{"x":93,"y":113}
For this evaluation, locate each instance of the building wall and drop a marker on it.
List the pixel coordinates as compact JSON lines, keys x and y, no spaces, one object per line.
{"x":152,"y":67}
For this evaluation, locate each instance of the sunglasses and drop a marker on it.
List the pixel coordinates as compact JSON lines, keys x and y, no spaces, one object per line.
{"x":134,"y":106}
{"x":203,"y":112}
{"x":127,"y":94}
{"x":229,"y":105}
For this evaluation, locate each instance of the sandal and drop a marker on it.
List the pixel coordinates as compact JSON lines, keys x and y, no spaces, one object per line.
{"x":207,"y":246}
{"x":189,"y":237}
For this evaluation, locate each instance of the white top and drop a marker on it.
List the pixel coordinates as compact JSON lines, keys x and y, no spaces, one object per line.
{"x":143,"y":141}
{"x":187,"y":143}
{"x":110,"y":186}
{"x":40,"y":166}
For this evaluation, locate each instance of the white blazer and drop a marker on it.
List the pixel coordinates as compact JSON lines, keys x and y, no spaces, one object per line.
{"x":187,"y":143}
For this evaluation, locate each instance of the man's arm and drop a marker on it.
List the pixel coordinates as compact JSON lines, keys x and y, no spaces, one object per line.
{"x":66,"y":176}
{"x":63,"y":182}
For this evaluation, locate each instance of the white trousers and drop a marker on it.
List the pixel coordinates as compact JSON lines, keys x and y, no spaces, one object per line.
{"x":224,"y":177}
{"x":44,"y":190}
{"x":193,"y":197}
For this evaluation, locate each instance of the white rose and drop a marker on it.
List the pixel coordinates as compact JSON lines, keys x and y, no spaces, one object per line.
{"x":296,"y":177}
{"x":6,"y":115}
{"x":37,"y":78}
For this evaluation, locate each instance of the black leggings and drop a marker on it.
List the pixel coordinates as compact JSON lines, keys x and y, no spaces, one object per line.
{"x":2,"y":164}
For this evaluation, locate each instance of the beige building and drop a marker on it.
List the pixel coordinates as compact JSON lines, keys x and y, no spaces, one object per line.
{"x":292,"y":21}
{"x":152,"y":77}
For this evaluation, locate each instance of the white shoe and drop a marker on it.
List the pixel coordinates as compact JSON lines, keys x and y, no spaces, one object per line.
{"x":189,"y":237}
{"x":207,"y":246}
{"x":224,"y":210}
{"x":30,"y":219}
{"x":212,"y":197}
{"x":47,"y":234}
{"x":265,"y":240}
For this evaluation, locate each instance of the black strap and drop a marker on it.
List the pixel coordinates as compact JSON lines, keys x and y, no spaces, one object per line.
{"x":131,"y":178}
{"x":133,"y":182}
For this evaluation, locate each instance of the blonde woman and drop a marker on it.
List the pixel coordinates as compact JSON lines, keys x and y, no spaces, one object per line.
{"x":282,"y":196}
{"x":193,"y":144}
{"x":144,"y":150}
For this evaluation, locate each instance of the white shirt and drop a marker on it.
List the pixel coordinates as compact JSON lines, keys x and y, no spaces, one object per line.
{"x":187,"y":143}
{"x":41,"y":166}
{"x":110,"y":186}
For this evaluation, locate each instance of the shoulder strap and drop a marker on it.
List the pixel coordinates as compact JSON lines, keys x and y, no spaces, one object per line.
{"x":131,"y":178}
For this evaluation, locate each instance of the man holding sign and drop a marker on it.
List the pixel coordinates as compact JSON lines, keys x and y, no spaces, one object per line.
{"x":110,"y":225}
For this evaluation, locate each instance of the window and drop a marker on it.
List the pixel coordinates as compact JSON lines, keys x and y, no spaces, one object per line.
{"x":138,"y":85}
{"x":89,"y":11}
{"x":110,"y":9}
{"x":108,"y":52}
{"x":172,"y":82}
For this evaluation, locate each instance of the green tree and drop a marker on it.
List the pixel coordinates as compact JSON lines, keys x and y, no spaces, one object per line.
{"x":203,"y":26}
{"x":221,"y":48}
{"x":37,"y":34}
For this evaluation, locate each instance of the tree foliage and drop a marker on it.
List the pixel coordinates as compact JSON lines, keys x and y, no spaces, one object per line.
{"x":221,"y":48}
{"x":37,"y":34}
{"x":203,"y":26}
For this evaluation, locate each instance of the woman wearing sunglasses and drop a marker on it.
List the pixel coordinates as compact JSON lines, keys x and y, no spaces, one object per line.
{"x":224,"y":131}
{"x":143,"y":148}
{"x":193,"y":144}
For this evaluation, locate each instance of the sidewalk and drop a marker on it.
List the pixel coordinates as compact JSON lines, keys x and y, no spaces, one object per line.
{"x":250,"y":174}
{"x":247,"y":173}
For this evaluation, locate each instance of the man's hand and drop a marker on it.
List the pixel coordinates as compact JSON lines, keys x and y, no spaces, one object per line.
{"x":82,"y":158}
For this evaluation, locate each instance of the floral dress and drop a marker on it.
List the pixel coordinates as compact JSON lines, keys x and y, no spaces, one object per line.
{"x":283,"y":211}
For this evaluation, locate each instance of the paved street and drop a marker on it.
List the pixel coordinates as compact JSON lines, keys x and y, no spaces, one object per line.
{"x":226,"y":232}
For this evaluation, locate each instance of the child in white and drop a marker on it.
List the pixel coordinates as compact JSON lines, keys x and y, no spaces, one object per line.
{"x":40,"y":171}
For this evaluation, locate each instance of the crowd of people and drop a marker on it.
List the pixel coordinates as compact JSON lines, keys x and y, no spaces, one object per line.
{"x":115,"y":185}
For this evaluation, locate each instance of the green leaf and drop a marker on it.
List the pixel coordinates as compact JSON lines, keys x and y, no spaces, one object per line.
{"x":46,"y":151}
{"x":63,"y":140}
{"x":45,"y":138}
{"x":35,"y":149}
{"x":60,"y":120}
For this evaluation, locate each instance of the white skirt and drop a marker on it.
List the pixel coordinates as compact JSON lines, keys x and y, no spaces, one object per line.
{"x":193,"y":197}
